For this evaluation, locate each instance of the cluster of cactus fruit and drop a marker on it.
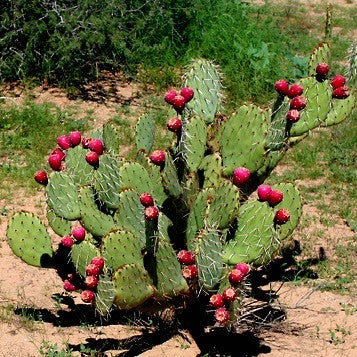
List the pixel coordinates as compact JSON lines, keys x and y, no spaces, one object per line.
{"x":185,"y":223}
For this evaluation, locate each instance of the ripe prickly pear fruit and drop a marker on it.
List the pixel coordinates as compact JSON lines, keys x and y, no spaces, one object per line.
{"x":275,"y":197}
{"x":169,"y":96}
{"x":146,"y":199}
{"x":243,"y":267}
{"x":92,"y":269}
{"x":85,"y":142}
{"x":75,"y":138}
{"x":298,"y":103}
{"x":190,"y":272}
{"x":97,"y":146}
{"x":67,"y":242}
{"x":92,"y":158}
{"x":229,"y":295}
{"x":151,"y":213}
{"x":179,"y":103}
{"x":293,"y":115}
{"x":88,"y":296}
{"x":187,"y":93}
{"x":282,"y":87}
{"x":241,"y":176}
{"x":174,"y":125}
{"x":186,"y":257}
{"x":98,"y":262}
{"x":79,"y":234}
{"x":341,"y":92}
{"x":221,"y":315}
{"x":55,"y":162}
{"x":263,"y":192}
{"x":322,"y":69}
{"x":68,"y":286}
{"x":338,"y":81}
{"x":158,"y":157}
{"x":295,"y":90}
{"x":235,"y":276}
{"x":64,"y":142}
{"x":91,"y":282}
{"x":282,"y":216}
{"x":59,"y":152}
{"x":41,"y":177}
{"x":216,"y":300}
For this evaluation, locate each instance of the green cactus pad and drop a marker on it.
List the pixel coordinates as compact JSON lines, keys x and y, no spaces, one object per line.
{"x":321,"y":54}
{"x":82,"y":254}
{"x":93,"y":220}
{"x":318,"y":95}
{"x":60,"y":226}
{"x":107,"y":180}
{"x":169,"y":177}
{"x":96,"y":134}
{"x":255,"y":239}
{"x":271,"y":160}
{"x":244,"y":138}
{"x":77,"y":167}
{"x":212,"y":166}
{"x":62,"y":196}
{"x":104,"y":296}
{"x":208,"y":252}
{"x":132,"y":287}
{"x":134,"y":175}
{"x":111,"y":139}
{"x":203,"y":77}
{"x":194,"y":142}
{"x":340,"y":110}
{"x":121,"y":247}
{"x":145,"y":132}
{"x":163,"y":226}
{"x":292,"y":202}
{"x":29,"y":239}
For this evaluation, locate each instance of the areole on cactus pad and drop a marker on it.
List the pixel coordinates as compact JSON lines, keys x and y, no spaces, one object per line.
{"x":179,"y":223}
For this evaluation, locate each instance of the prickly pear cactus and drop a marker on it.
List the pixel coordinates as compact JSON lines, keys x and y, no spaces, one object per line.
{"x":184,"y":223}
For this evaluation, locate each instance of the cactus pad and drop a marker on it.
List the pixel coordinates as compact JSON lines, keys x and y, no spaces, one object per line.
{"x":340,"y":110}
{"x":77,"y":167}
{"x":82,"y":254}
{"x":145,"y":132}
{"x":321,"y":54}
{"x":104,"y":295}
{"x":111,"y":139}
{"x":212,"y":167}
{"x":60,"y":226}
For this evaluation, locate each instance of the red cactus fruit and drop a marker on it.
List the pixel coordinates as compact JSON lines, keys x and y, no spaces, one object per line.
{"x":151,"y":213}
{"x":79,"y":234}
{"x":190,"y":272}
{"x":275,"y":197}
{"x":59,"y":152}
{"x":221,"y":315}
{"x":146,"y":199}
{"x":68,"y":286}
{"x":187,"y":93}
{"x":97,"y":146}
{"x":64,"y":142}
{"x":235,"y":276}
{"x":216,"y":300}
{"x":282,"y":216}
{"x":98,"y":262}
{"x":88,"y":296}
{"x":91,"y":282}
{"x":158,"y":157}
{"x":41,"y":177}
{"x":341,"y":92}
{"x":186,"y":257}
{"x":67,"y":242}
{"x":92,"y":269}
{"x":85,"y":142}
{"x":293,"y":115}
{"x":174,"y":125}
{"x":322,"y":69}
{"x":338,"y":81}
{"x":179,"y":103}
{"x":295,"y":90}
{"x":75,"y":138}
{"x":229,"y":295}
{"x":169,"y":96}
{"x":243,"y":267}
{"x":92,"y":158}
{"x":263,"y":192}
{"x":55,"y":162}
{"x":282,"y":87}
{"x":241,"y":176}
{"x":298,"y":103}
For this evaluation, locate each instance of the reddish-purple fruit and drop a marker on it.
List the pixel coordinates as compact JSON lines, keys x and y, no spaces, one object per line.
{"x":221,"y":315}
{"x":41,"y":177}
{"x":88,"y":296}
{"x":190,"y":272}
{"x":68,"y":286}
{"x":151,"y":213}
{"x":169,"y":96}
{"x":322,"y":69}
{"x":75,"y":138}
{"x":293,"y":115}
{"x":174,"y":125}
{"x":92,"y":158}
{"x":64,"y":142}
{"x":55,"y":162}
{"x":216,"y":300}
{"x":97,"y":146}
{"x":186,"y":257}
{"x":298,"y":103}
{"x":275,"y":197}
{"x":92,"y":269}
{"x":338,"y":81}
{"x":98,"y":262}
{"x":158,"y":157}
{"x":282,"y":216}
{"x":229,"y":295}
{"x":235,"y":276}
{"x":146,"y":199}
{"x":243,"y":267}
{"x":282,"y":87}
{"x":341,"y":93}
{"x":241,"y":176}
{"x":67,"y":242}
{"x":179,"y":103}
{"x":59,"y":152}
{"x":187,"y":93}
{"x":85,"y":142}
{"x":91,"y":282}
{"x":295,"y":90}
{"x":263,"y":192}
{"x":79,"y":234}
